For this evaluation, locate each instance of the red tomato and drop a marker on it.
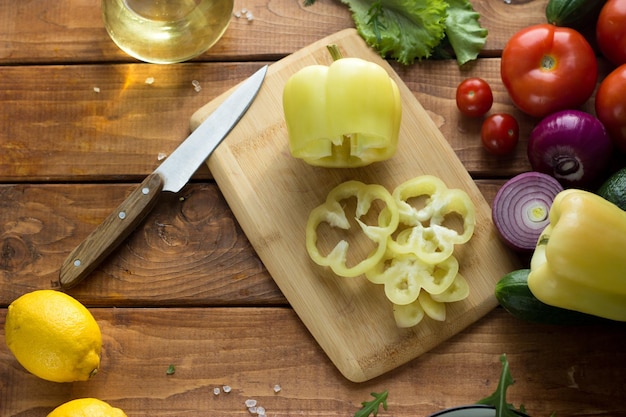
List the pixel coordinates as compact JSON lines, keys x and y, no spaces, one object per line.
{"x":611,"y":31}
{"x":611,"y":105}
{"x":547,"y":68}
{"x":474,"y":97}
{"x":500,"y":133}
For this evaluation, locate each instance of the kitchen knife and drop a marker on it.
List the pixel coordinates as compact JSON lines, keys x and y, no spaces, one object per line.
{"x":171,"y":175}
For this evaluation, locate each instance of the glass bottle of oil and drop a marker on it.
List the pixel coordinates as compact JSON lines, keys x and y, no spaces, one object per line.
{"x":166,"y":31}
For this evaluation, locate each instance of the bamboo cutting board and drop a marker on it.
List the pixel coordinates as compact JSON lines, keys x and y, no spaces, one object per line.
{"x":271,"y":194}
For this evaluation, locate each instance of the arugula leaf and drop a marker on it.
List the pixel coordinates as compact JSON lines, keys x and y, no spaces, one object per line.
{"x":498,"y":398}
{"x":371,"y":407}
{"x":463,"y":31}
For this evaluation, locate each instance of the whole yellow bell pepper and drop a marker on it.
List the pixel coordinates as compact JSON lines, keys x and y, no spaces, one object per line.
{"x":579,"y":262}
{"x":344,"y":115}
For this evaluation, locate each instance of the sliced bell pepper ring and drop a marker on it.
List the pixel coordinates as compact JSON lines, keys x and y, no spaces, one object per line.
{"x":417,"y":269}
{"x":408,"y":315}
{"x":457,"y":291}
{"x":426,"y":234}
{"x":332,"y":212}
{"x":431,"y":305}
{"x":344,"y":115}
{"x":405,"y":275}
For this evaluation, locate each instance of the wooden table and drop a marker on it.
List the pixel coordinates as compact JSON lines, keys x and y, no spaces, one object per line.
{"x":80,"y":127}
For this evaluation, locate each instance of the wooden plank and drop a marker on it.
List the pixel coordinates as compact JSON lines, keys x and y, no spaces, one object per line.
{"x":189,"y":251}
{"x":272,"y":194}
{"x":68,"y":31}
{"x":569,"y":371}
{"x":105,"y":123}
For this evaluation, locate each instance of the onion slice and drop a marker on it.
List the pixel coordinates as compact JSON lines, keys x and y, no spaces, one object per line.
{"x":521,"y":207}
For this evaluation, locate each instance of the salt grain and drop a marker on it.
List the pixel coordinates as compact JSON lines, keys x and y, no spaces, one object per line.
{"x":150,"y":80}
{"x":277,"y":388}
{"x":196,"y":85}
{"x":216,"y":391}
{"x":96,"y":89}
{"x":250,"y":403}
{"x":244,"y":13}
{"x":226,"y":388}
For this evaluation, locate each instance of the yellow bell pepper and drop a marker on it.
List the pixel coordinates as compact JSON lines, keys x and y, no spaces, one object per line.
{"x":405,"y":275}
{"x":427,"y":235}
{"x":579,"y":262}
{"x":332,"y":212}
{"x":344,"y":115}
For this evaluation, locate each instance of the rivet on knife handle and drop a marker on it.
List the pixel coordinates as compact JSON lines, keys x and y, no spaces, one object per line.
{"x":111,"y":232}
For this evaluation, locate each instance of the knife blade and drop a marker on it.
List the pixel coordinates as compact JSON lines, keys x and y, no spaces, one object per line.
{"x":170,"y":176}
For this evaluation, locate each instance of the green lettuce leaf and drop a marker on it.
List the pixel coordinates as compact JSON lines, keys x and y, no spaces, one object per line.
{"x":406,"y":30}
{"x":401,"y":29}
{"x":463,"y":31}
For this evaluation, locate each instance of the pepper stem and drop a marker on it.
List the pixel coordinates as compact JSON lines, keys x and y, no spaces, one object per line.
{"x":334,"y":51}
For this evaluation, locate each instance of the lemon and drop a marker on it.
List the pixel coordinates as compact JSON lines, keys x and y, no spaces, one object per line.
{"x":86,"y":407}
{"x":614,"y":189}
{"x":53,"y":336}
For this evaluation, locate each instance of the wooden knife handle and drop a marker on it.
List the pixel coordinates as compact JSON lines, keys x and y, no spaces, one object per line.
{"x":111,"y":232}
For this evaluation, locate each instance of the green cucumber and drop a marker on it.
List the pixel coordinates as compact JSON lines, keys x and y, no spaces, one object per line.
{"x":614,"y":189}
{"x":572,"y":12}
{"x":515,"y":297}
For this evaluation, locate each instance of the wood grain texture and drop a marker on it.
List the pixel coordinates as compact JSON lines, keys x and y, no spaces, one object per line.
{"x":253,"y":349}
{"x":69,"y":31}
{"x":105,"y":123}
{"x":81,"y":126}
{"x":271,"y":194}
{"x":190,"y":251}
{"x":109,"y":234}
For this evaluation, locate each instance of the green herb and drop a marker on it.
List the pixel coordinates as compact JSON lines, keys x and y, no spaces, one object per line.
{"x":170,"y":370}
{"x":374,"y":12}
{"x":498,"y":398}
{"x":406,"y":30}
{"x":371,"y":407}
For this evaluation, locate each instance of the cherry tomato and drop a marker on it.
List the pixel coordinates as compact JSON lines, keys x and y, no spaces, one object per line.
{"x":500,"y":133}
{"x":474,"y":97}
{"x":611,"y":105}
{"x":546,"y":68}
{"x":610,"y":32}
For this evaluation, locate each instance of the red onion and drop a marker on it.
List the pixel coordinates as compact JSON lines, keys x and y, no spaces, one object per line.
{"x":520,"y":209}
{"x":572,"y":146}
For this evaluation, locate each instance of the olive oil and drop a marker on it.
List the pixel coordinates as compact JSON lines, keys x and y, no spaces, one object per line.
{"x":166,"y":31}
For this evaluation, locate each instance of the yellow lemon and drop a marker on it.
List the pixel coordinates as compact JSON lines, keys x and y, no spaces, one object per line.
{"x":53,"y":336}
{"x":86,"y":407}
